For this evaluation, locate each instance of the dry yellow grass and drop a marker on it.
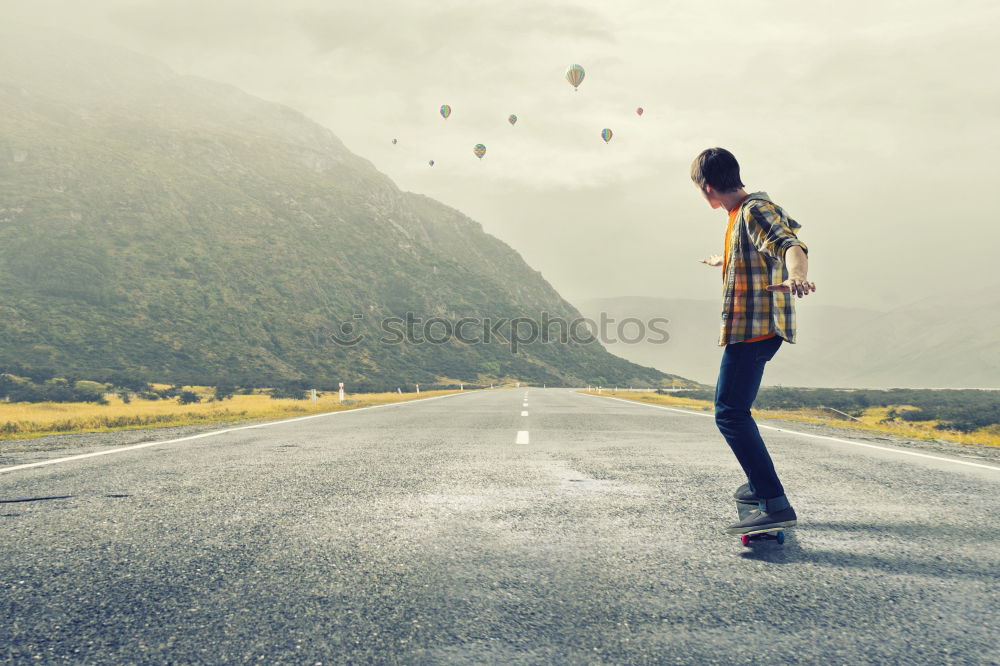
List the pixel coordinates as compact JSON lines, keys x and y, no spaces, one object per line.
{"x":869,"y":420}
{"x":25,"y":420}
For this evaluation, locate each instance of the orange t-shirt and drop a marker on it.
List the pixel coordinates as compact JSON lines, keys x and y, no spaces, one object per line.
{"x":725,"y":259}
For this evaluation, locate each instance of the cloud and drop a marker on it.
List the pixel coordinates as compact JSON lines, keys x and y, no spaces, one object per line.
{"x":254,"y":25}
{"x":888,"y":105}
{"x":405,"y":30}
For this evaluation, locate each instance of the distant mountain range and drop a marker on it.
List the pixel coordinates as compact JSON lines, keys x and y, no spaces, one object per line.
{"x":943,"y":339}
{"x":182,"y":230}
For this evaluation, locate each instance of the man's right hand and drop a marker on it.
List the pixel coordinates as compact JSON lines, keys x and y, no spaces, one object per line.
{"x":714,"y":260}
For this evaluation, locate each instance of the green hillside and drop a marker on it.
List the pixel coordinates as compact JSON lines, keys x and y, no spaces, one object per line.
{"x":183,"y":231}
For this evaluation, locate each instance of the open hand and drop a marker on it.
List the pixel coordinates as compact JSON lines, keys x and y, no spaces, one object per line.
{"x":714,"y":260}
{"x":793,"y":285}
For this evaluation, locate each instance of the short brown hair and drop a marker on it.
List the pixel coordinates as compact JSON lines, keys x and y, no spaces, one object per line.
{"x":716,"y":167}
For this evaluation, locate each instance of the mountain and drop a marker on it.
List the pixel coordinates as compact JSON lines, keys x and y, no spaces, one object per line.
{"x":182,"y":230}
{"x":942,"y":339}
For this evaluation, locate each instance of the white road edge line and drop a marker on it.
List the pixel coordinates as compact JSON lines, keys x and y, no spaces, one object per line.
{"x":807,"y":434}
{"x":522,"y":437}
{"x":133,"y":447}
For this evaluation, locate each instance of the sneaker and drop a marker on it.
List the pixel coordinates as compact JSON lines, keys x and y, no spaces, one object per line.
{"x":744,"y":495}
{"x":759,"y":521}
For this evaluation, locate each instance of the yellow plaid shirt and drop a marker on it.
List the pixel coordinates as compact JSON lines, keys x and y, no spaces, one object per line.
{"x":762,"y":231}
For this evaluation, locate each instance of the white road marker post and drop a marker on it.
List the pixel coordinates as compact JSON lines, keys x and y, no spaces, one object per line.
{"x":461,"y":387}
{"x":312,"y":395}
{"x":418,"y":388}
{"x":342,"y":391}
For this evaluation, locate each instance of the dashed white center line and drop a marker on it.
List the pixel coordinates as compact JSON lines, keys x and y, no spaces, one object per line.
{"x":524,"y":413}
{"x":522,"y":437}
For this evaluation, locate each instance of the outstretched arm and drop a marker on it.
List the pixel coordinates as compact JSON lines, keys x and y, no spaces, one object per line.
{"x":798,"y":266}
{"x":797,"y":262}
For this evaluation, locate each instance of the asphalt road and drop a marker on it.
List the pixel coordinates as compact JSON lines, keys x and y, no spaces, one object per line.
{"x":425,"y":533}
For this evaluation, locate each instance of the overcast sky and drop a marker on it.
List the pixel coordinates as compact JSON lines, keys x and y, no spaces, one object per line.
{"x":875,"y":124}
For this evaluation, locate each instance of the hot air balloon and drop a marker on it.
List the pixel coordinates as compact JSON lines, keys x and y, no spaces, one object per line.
{"x":639,"y":110}
{"x":394,"y":142}
{"x":431,"y":162}
{"x":575,"y":74}
{"x":512,"y":119}
{"x":606,"y":134}
{"x":445,"y":110}
{"x":479,"y":150}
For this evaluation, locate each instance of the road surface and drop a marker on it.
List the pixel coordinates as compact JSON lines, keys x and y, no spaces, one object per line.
{"x":520,"y":526}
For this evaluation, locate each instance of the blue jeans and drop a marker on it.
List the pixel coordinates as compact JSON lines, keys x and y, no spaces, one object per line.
{"x":739,"y":379}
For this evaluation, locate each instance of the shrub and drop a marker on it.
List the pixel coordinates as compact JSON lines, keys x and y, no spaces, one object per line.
{"x":920,"y":414}
{"x":293,"y":390}
{"x":7,"y":384}
{"x":171,"y":392}
{"x":224,"y":392}
{"x":129,"y":382}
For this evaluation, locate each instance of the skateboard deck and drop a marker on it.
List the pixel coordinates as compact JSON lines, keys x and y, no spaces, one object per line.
{"x":769,"y":534}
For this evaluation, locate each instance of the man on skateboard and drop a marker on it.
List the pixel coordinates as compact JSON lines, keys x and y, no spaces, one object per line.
{"x":764,"y":265}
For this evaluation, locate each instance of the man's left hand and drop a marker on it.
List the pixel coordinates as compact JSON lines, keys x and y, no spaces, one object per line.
{"x":793,"y":286}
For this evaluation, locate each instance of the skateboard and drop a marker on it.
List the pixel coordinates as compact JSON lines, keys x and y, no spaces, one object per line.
{"x":772,"y":534}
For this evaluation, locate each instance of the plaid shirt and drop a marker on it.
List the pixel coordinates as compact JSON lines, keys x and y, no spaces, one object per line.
{"x":762,"y":231}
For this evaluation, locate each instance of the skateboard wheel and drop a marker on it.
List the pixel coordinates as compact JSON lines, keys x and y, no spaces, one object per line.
{"x":745,"y":539}
{"x":781,"y":537}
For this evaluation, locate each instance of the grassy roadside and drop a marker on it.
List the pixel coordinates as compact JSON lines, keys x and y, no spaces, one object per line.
{"x":25,"y":420}
{"x":868,"y":421}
